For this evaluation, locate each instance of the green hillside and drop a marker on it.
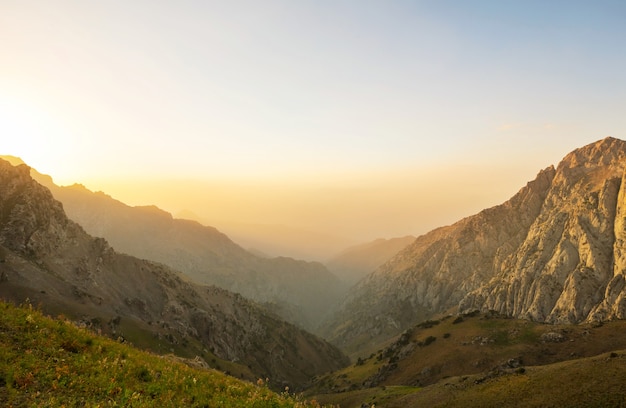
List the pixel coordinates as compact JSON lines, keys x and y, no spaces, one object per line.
{"x":48,"y":362}
{"x":486,"y":360}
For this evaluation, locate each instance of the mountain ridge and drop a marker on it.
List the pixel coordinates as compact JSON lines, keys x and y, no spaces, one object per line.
{"x":49,"y":259}
{"x":510,"y":258}
{"x":301,"y":292}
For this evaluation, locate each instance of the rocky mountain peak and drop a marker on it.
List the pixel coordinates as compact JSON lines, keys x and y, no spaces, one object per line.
{"x":608,"y":153}
{"x":555,"y":252}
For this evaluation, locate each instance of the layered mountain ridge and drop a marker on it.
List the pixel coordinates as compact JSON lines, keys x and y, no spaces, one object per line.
{"x":298,"y":291}
{"x":552,"y":253}
{"x":49,"y":259}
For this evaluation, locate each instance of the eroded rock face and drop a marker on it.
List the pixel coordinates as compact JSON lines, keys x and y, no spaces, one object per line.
{"x":561,"y":271}
{"x":555,"y":252}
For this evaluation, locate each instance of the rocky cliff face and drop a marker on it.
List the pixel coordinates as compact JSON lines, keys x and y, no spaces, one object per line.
{"x":50,"y":260}
{"x":554,"y":253}
{"x":298,"y":291}
{"x":573,"y":250}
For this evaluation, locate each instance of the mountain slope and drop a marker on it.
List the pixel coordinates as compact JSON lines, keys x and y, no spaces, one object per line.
{"x":487,"y":360}
{"x":46,"y":362}
{"x":300,"y":292}
{"x":356,"y":262}
{"x":49,"y":259}
{"x":551,"y":253}
{"x":573,"y":251}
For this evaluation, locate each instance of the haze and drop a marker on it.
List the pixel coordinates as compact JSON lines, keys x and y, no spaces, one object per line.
{"x":350,"y":120}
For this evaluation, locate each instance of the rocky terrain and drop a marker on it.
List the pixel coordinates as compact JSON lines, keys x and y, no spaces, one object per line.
{"x":300,"y":292}
{"x":354,"y":263}
{"x":553,"y":253}
{"x":51,"y":261}
{"x":486,"y":360}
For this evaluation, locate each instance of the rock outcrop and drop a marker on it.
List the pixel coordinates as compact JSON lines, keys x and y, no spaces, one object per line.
{"x":553,"y":253}
{"x":572,"y":251}
{"x":53,"y":262}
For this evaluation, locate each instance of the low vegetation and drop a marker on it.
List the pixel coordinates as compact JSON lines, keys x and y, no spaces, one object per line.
{"x":487,"y":360}
{"x":50,"y":362}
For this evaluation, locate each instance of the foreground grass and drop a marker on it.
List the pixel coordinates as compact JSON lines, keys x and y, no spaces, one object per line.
{"x":46,"y":362}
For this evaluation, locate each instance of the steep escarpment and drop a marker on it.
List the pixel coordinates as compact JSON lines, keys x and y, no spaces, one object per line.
{"x":571,"y":253}
{"x":298,"y":291}
{"x":50,"y":260}
{"x":554,"y":253}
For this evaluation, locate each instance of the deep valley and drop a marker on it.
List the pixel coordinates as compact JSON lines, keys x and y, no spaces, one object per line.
{"x":521,"y":304}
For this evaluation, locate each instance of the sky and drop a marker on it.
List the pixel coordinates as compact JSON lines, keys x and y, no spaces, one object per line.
{"x":360,"y":119}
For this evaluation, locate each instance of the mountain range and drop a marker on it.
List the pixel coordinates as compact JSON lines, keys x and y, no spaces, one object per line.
{"x":300,"y":292}
{"x":49,"y":260}
{"x":551,"y":256}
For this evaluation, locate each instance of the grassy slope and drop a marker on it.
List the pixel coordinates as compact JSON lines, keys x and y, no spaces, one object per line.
{"x":47,"y":362}
{"x":466,"y":365}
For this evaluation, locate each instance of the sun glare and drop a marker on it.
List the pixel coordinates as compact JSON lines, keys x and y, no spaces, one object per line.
{"x":33,"y":135}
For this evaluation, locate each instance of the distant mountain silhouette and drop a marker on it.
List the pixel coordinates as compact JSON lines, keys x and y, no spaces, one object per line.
{"x":298,"y":291}
{"x":51,"y":261}
{"x":283,"y":240}
{"x":356,"y":262}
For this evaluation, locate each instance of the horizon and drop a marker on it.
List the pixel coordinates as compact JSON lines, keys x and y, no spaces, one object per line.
{"x":295,"y":239}
{"x":356,"y":120}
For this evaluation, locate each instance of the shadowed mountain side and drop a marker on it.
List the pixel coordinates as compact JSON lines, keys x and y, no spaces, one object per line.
{"x":356,"y":262}
{"x":49,"y":259}
{"x":298,"y":291}
{"x":553,"y":253}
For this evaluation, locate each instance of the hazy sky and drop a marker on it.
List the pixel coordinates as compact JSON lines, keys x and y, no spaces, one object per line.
{"x":399,"y":107}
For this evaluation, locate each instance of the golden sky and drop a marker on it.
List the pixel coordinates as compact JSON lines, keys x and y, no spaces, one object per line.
{"x":360,"y":119}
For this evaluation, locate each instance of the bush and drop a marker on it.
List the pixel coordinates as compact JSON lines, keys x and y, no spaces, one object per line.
{"x":428,"y":340}
{"x":428,"y":324}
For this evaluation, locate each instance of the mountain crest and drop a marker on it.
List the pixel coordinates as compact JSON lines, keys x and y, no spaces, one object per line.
{"x":555,"y":252}
{"x":606,"y":152}
{"x":51,"y":260}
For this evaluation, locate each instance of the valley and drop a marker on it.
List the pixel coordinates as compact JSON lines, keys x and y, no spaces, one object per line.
{"x":312,"y":204}
{"x":471,"y":314}
{"x":51,"y":261}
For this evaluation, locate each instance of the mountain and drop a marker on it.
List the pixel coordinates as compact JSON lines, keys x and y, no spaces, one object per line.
{"x":354,"y":263}
{"x":51,"y":261}
{"x":553,"y":253}
{"x":298,"y":291}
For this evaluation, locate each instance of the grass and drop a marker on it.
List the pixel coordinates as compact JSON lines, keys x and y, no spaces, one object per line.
{"x":488,"y":360}
{"x":388,"y":397}
{"x":589,"y":382}
{"x":48,"y":362}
